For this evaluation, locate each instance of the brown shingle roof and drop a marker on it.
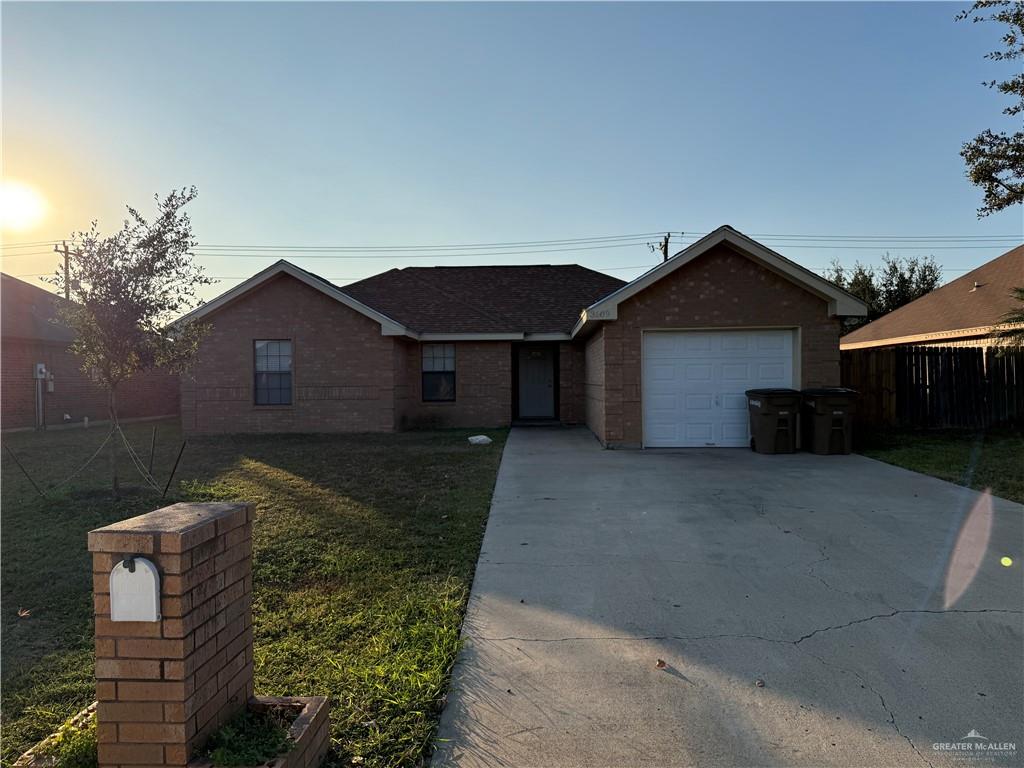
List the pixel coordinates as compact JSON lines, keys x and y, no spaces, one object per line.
{"x":26,"y":312}
{"x":542,"y":298}
{"x":956,"y":305}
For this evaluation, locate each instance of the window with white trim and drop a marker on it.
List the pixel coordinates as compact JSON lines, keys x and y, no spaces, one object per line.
{"x":273,"y":364}
{"x":438,"y":373}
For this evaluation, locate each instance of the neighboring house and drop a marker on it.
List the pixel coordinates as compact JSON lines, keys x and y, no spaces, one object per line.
{"x":59,"y":392}
{"x":962,"y":313}
{"x":661,"y":361}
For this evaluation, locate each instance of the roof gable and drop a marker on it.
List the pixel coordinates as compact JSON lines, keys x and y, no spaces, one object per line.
{"x":29,"y":312}
{"x":971,"y":305}
{"x":388,"y":327}
{"x":839,"y":301}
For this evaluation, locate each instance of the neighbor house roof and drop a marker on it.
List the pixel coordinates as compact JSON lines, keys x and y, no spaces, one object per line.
{"x":455,"y":302}
{"x":970,"y":306}
{"x":27,"y":312}
{"x":839,"y":301}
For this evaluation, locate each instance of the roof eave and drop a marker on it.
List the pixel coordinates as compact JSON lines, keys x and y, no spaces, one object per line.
{"x":919,"y":338}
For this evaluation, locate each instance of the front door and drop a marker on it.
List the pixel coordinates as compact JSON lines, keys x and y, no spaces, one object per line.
{"x":536,"y":381}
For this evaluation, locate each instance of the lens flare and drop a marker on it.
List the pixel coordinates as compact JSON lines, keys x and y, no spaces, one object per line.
{"x":21,"y":206}
{"x":969,"y":550}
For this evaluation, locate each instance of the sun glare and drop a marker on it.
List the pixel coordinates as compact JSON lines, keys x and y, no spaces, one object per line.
{"x":21,"y":206}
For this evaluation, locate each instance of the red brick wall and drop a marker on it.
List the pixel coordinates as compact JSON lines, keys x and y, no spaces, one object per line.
{"x":342,"y":368}
{"x":720,"y":289}
{"x":483,"y":387}
{"x":594,"y":384}
{"x":571,"y":373}
{"x":149,"y":394}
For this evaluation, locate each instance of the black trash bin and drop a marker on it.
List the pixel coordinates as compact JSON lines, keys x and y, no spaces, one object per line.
{"x":773,"y":422}
{"x":827,"y":420}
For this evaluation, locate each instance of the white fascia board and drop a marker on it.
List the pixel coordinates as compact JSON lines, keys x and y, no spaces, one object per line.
{"x":950,"y":335}
{"x":469,"y":336}
{"x":839,"y":301}
{"x":388,"y":327}
{"x":547,"y":336}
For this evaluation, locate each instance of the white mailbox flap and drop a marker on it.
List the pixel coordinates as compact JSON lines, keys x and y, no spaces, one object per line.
{"x":134,"y":592}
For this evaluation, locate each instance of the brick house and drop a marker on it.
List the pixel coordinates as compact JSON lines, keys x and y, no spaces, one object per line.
{"x":31,"y":338}
{"x":661,"y":361}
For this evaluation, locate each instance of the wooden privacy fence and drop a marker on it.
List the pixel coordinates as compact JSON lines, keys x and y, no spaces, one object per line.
{"x":934,"y":387}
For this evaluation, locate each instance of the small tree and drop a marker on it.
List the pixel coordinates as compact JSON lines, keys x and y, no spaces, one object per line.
{"x":995,"y":161}
{"x":897,"y":282}
{"x":124,"y":290}
{"x":1011,"y":331}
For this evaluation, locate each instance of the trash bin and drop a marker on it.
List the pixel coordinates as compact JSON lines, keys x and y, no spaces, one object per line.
{"x":773,"y":415}
{"x":827,"y":420}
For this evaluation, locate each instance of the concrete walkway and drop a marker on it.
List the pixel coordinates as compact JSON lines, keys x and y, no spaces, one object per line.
{"x":825,"y":577}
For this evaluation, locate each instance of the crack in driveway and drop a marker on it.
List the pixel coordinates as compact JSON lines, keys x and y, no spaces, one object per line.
{"x":888,"y":710}
{"x":726,"y":635}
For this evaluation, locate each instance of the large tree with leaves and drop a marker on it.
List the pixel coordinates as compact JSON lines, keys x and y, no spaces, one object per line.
{"x":995,"y":160}
{"x":125,"y":289}
{"x":896,"y":282}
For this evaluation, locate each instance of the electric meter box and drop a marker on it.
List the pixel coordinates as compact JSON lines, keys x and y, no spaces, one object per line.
{"x":134,"y":591}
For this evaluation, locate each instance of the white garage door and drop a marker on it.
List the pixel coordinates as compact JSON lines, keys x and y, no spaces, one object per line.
{"x":694,"y":383}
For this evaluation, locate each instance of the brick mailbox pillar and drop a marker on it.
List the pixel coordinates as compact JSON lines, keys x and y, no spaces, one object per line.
{"x":163,"y":686}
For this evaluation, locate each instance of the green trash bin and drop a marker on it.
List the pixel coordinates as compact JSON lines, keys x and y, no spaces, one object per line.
{"x":773,"y":419}
{"x":827,"y":420}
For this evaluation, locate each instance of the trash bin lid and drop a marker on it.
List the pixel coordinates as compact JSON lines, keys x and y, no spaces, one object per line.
{"x":825,"y":391}
{"x":769,"y":391}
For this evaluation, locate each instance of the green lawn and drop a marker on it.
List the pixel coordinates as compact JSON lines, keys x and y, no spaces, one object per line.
{"x":365,"y":547}
{"x":992,"y":459}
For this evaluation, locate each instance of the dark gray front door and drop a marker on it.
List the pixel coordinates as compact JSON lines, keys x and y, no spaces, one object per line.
{"x":536,"y":382}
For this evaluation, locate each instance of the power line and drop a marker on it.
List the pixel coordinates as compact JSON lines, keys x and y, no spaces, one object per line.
{"x":574,"y":240}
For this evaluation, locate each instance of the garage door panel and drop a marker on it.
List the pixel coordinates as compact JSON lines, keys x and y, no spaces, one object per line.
{"x":769,"y":342}
{"x":660,"y":345}
{"x":735,"y":401}
{"x":772,"y":372}
{"x":735,"y":435}
{"x":735,"y":372}
{"x":735,"y":342}
{"x":694,"y":383}
{"x":663,"y":372}
{"x":664,"y":404}
{"x":698,"y":371}
{"x":699,"y":402}
{"x":699,"y":433}
{"x":692,"y":342}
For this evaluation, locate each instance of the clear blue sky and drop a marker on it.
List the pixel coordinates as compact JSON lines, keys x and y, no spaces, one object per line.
{"x":337,"y":124}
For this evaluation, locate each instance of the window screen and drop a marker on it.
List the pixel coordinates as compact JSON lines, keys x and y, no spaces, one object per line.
{"x":438,"y":372}
{"x":273,"y":372}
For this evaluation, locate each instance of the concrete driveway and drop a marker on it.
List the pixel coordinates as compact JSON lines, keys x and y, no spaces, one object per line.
{"x":844,"y":584}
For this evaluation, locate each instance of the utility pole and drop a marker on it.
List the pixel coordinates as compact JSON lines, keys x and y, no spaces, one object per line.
{"x":66,"y":254}
{"x":661,"y":247}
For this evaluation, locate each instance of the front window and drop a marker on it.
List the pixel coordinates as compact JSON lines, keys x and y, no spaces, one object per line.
{"x":273,"y":372}
{"x":438,"y":372}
